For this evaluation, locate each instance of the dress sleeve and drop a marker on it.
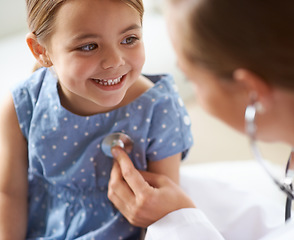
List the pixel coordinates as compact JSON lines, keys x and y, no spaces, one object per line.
{"x":25,"y":97}
{"x":188,"y":224}
{"x":170,"y":129}
{"x":23,"y":108}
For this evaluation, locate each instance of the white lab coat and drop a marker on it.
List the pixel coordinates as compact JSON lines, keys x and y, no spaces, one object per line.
{"x":223,"y":212}
{"x":192,"y":224}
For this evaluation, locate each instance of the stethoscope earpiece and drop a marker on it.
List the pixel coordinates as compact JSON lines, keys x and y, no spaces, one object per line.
{"x":117,"y":139}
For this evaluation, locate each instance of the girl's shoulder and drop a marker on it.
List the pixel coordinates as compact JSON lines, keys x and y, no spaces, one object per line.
{"x":161,"y":96}
{"x":152,"y":86}
{"x":32,"y":84}
{"x":164,"y":83}
{"x":29,"y":90}
{"x":141,"y":86}
{"x":26,"y":95}
{"x":164,"y":88}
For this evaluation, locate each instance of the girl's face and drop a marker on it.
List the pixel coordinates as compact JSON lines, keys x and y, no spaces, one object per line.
{"x":224,"y":99}
{"x":97,"y":53}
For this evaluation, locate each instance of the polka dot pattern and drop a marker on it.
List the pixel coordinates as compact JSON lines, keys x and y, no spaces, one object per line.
{"x":69,"y":174}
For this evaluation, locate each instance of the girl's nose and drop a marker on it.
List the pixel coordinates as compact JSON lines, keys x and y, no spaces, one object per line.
{"x":112,"y":58}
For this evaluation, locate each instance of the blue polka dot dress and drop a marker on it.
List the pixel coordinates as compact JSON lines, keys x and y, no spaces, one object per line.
{"x":68,"y":173}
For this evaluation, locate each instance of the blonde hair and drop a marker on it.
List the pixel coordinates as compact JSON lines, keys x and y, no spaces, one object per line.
{"x":41,"y":15}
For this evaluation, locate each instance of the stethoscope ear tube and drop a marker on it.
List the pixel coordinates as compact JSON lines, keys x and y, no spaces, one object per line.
{"x":286,"y":183}
{"x":288,"y":208}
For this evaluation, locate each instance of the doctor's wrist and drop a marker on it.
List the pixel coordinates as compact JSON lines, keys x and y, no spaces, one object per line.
{"x":183,"y":201}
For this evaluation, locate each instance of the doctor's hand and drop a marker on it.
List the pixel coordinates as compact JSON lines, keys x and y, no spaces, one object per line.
{"x":143,"y":197}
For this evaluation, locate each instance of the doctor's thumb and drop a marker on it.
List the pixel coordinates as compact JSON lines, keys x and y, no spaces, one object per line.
{"x":116,"y":152}
{"x":121,"y":157}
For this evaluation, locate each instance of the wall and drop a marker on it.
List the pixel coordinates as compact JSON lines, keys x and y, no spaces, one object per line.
{"x":12,"y":17}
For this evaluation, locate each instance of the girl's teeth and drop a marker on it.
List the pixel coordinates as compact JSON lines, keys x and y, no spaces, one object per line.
{"x":109,"y":82}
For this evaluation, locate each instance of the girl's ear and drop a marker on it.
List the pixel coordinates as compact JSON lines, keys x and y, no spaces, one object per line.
{"x":38,"y":50}
{"x":255,"y":85}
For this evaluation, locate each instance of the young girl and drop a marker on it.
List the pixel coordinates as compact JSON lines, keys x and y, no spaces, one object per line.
{"x":54,"y":175}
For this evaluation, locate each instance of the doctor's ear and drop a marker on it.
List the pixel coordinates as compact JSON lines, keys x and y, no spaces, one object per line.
{"x":38,"y":50}
{"x":255,"y":85}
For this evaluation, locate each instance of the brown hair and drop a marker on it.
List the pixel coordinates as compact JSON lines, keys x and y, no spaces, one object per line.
{"x":253,"y":34}
{"x":137,"y":5}
{"x":41,"y":16}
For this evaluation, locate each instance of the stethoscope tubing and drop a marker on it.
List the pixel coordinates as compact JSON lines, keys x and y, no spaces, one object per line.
{"x":286,"y":183}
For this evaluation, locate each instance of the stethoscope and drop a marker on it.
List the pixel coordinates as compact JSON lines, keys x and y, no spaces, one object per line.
{"x":117,"y":139}
{"x":286,"y":183}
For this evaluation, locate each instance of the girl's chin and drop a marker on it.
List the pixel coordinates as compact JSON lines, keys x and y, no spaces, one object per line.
{"x":111,"y":104}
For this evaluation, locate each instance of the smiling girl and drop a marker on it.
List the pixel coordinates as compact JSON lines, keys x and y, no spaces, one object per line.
{"x":54,"y":176}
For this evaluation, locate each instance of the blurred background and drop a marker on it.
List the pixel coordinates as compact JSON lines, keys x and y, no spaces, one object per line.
{"x":214,"y":141}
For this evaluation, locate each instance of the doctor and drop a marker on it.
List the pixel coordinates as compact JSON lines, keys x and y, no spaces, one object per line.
{"x":240,"y":56}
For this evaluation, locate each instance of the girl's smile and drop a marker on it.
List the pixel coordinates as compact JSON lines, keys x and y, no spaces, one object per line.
{"x":97,"y":53}
{"x":109,"y":84}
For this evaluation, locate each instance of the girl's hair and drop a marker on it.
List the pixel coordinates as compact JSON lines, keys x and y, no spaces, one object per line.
{"x":254,"y":34}
{"x":41,"y":15}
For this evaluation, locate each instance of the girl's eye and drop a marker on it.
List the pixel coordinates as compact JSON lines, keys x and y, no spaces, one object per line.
{"x":88,"y":47}
{"x":130,"y":40}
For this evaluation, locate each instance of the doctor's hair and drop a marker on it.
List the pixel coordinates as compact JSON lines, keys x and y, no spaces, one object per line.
{"x":226,"y":35}
{"x":41,"y":16}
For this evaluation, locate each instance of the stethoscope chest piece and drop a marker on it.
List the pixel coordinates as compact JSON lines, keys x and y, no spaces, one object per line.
{"x":116,"y":139}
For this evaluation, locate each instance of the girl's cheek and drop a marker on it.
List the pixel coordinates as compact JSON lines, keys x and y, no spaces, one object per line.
{"x":140,"y":59}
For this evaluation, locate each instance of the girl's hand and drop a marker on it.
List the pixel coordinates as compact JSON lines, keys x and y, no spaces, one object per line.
{"x":143,"y":197}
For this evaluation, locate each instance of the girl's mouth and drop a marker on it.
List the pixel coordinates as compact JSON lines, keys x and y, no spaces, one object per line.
{"x":108,"y":82}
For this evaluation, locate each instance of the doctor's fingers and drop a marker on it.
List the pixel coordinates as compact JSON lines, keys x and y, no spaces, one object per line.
{"x":118,"y":187}
{"x":129,"y":173}
{"x":131,"y":206}
{"x":136,"y":215}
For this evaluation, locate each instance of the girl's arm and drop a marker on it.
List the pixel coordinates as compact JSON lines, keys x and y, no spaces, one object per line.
{"x":168,"y":166}
{"x":13,"y":174}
